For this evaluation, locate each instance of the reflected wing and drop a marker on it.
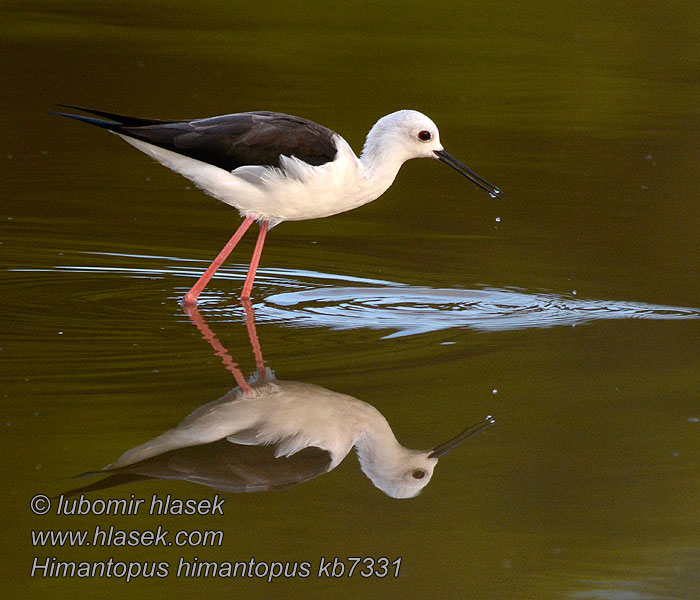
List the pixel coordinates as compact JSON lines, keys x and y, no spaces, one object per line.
{"x":222,"y":465}
{"x":228,"y":141}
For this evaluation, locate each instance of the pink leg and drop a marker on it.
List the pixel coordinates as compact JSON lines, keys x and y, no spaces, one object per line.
{"x":191,"y":296}
{"x":254,"y":341}
{"x":248,"y":285}
{"x":207,"y":334}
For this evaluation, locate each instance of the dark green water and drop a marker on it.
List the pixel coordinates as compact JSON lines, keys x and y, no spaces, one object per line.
{"x":578,"y":307}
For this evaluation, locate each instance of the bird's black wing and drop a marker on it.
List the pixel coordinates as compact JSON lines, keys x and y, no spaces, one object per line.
{"x":228,"y":141}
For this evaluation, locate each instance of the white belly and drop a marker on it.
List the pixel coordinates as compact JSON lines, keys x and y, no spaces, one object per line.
{"x":298,"y":192}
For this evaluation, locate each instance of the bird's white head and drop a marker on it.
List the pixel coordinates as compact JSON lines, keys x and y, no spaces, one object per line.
{"x":407,"y":134}
{"x":403,"y":474}
{"x":404,"y":134}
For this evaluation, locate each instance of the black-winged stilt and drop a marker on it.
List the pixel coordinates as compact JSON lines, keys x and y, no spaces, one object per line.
{"x":274,"y":167}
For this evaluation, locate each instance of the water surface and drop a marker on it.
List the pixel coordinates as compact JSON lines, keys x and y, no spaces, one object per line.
{"x":569,"y":310}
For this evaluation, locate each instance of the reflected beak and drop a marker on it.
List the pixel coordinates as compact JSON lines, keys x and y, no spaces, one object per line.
{"x":450,"y":160}
{"x":468,"y":433}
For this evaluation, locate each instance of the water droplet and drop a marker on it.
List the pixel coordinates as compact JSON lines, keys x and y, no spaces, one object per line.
{"x":574,"y":292}
{"x":494,"y":391}
{"x":447,"y":343}
{"x":693,"y":419}
{"x":498,"y":219}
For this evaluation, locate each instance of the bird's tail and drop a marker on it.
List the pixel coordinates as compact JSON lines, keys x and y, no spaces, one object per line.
{"x":112,"y":480}
{"x":110,"y":121}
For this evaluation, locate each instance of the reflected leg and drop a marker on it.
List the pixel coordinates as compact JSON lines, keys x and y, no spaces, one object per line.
{"x":220,"y":351}
{"x":254,"y":341}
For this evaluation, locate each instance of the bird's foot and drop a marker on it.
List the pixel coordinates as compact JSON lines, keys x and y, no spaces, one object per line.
{"x":190,"y":300}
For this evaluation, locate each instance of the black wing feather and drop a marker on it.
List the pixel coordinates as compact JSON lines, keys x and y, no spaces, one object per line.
{"x":119,"y":119}
{"x":228,"y":141}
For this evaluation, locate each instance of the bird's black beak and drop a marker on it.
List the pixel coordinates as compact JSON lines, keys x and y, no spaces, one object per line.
{"x":450,"y":160}
{"x":468,"y":433}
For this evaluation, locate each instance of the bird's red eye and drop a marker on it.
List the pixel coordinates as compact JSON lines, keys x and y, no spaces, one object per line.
{"x":418,"y":473}
{"x":424,"y":135}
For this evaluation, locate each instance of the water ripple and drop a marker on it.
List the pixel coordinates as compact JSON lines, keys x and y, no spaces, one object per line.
{"x":413,"y":310}
{"x":297,"y":298}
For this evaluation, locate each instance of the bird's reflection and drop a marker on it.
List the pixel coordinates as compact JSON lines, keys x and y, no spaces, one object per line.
{"x":267,"y":434}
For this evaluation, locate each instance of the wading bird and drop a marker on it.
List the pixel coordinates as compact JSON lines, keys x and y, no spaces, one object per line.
{"x":274,"y":167}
